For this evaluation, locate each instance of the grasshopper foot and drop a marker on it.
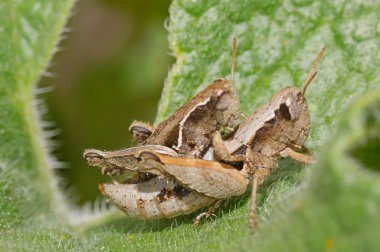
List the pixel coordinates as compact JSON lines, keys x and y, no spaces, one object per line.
{"x":299,"y":157}
{"x":205,"y":215}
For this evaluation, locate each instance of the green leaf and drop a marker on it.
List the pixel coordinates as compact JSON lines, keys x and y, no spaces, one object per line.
{"x":331,"y":205}
{"x":29,"y":31}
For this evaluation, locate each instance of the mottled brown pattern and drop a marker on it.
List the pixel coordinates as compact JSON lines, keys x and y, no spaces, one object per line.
{"x":164,"y":195}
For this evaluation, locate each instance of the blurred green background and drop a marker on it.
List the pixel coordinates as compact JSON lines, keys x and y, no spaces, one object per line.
{"x":110,"y":71}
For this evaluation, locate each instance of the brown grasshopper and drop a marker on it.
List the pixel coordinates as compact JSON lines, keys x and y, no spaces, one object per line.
{"x":182,"y":183}
{"x":260,"y":137}
{"x":276,"y":129}
{"x":189,"y":131}
{"x":279,"y":128}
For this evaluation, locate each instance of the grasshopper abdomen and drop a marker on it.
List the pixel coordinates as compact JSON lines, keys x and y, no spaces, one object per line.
{"x":159,"y":197}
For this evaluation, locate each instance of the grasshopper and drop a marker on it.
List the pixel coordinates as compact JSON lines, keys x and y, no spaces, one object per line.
{"x":188,"y":131}
{"x":277,"y":129}
{"x":274,"y":130}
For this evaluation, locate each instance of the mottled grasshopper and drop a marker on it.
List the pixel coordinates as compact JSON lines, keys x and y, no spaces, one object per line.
{"x":275,"y":129}
{"x":279,"y":128}
{"x":188,"y":131}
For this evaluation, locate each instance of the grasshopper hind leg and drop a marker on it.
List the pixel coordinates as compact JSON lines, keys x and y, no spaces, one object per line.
{"x":252,"y":208}
{"x":257,"y":179}
{"x":258,"y":175}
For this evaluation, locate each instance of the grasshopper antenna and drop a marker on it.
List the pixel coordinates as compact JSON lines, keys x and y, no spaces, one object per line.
{"x":312,"y":73}
{"x":233,"y":59}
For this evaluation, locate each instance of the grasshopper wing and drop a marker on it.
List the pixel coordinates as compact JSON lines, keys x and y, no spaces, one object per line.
{"x":210,"y":178}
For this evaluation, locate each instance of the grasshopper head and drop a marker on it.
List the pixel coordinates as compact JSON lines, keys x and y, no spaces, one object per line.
{"x":110,"y":163}
{"x":292,"y":108}
{"x":293,"y":102}
{"x":94,"y":157}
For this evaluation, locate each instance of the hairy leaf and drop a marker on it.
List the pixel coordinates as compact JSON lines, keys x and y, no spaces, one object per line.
{"x":333,"y":205}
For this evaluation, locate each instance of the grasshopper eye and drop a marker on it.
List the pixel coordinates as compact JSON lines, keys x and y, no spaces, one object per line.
{"x":140,"y":131}
{"x":289,"y":110}
{"x":285,"y":112}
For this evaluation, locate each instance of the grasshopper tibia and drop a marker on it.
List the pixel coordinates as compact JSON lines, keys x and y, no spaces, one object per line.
{"x":299,"y":157}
